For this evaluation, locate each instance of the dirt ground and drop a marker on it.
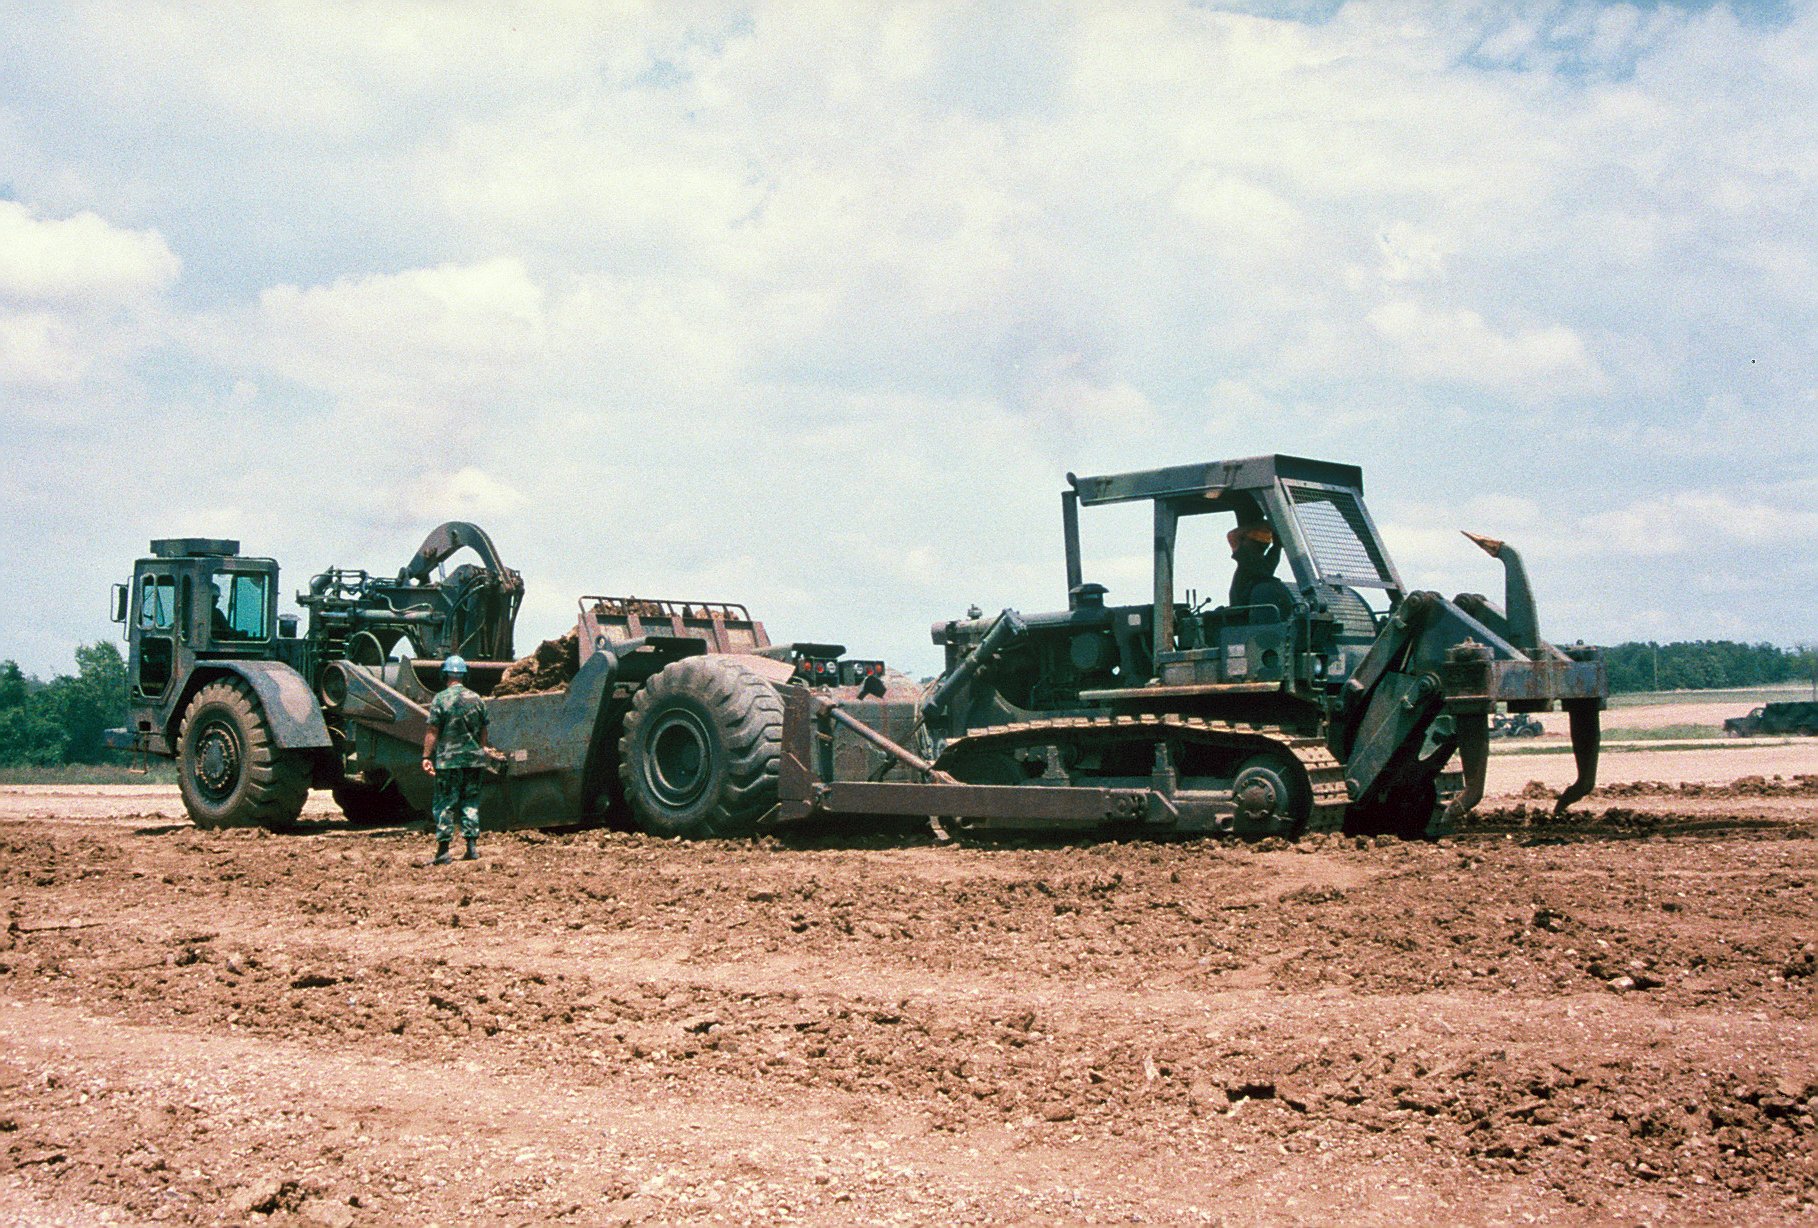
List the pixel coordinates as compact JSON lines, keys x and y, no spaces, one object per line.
{"x":1654,"y":716}
{"x":1604,"y":1020}
{"x":1514,"y":764}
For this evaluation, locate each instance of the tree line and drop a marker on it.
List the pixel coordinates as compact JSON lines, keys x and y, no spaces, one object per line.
{"x":1702,"y":665}
{"x":44,"y":724}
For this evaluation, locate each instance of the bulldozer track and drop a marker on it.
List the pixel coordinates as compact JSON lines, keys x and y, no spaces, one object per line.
{"x":1325,"y":775}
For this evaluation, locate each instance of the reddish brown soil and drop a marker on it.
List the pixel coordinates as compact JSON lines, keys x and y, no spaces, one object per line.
{"x":1603,"y":1019}
{"x":550,"y":668}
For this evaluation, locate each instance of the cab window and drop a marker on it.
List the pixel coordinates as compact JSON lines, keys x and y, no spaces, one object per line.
{"x":157,"y":603}
{"x":240,"y":606}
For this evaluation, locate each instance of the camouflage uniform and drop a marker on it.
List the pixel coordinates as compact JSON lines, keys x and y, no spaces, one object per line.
{"x":458,"y":717}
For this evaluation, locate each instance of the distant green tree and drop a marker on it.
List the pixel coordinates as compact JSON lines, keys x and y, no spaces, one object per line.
{"x":63,"y":720}
{"x":1805,"y":666}
{"x":1630,"y":666}
{"x":14,"y":686}
{"x":28,"y":735}
{"x":1703,"y":665}
{"x":86,"y":705}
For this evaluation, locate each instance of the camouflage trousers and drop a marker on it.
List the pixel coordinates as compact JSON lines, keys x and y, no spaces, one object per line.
{"x":458,"y":795}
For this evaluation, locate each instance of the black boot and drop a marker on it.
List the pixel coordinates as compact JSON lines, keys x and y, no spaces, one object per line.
{"x":442,"y":857}
{"x":473,"y":849}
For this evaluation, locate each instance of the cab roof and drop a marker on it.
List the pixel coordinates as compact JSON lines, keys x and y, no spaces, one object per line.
{"x":1246,"y":474}
{"x":194,"y":547}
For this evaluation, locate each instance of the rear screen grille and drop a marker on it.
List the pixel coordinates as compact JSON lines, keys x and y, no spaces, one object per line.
{"x":1337,"y":532}
{"x":1356,"y":622}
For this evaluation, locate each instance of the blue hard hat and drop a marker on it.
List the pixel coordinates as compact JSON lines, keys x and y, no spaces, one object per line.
{"x":454,"y":665}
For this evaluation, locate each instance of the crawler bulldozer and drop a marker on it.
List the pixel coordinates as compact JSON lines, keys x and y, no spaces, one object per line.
{"x":1332,"y":698}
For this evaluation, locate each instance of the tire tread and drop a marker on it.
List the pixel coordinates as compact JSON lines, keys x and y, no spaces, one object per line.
{"x":747,"y":715}
{"x":277,"y":780}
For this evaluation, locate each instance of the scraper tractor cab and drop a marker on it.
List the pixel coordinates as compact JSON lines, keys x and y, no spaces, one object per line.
{"x":220,"y":681}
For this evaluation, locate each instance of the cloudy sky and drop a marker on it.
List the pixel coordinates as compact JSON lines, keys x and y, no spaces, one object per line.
{"x":812,"y":306}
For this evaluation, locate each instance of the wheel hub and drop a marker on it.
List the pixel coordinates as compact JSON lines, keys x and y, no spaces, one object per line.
{"x":679,"y":765}
{"x":217,"y":761}
{"x":1260,"y":797}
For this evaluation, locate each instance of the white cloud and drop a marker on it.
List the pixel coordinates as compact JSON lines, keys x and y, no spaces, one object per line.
{"x":1064,"y":399}
{"x":1410,"y":254}
{"x":674,"y":339}
{"x":465,"y":494}
{"x":1502,"y":512}
{"x":1245,"y":220}
{"x":454,"y":331}
{"x":1701,"y":523}
{"x":1537,"y":363}
{"x":36,"y":349}
{"x":78,"y":298}
{"x":79,"y":261}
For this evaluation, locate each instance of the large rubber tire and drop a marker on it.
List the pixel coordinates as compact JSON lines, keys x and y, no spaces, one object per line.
{"x":230,"y":769}
{"x":699,"y":754}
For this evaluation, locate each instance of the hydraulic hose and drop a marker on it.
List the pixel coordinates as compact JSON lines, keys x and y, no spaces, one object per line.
{"x":1007,"y":627}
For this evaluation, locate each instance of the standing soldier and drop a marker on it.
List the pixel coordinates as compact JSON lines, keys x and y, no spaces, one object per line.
{"x":455,"y":753}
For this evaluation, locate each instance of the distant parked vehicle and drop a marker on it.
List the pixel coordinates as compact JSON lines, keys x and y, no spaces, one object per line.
{"x":1785,"y":719}
{"x":1516,"y":725}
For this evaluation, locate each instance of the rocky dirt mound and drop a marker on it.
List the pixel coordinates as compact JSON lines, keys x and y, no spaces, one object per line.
{"x":1801,"y":785}
{"x":1589,"y":821}
{"x":1746,"y":786}
{"x":550,"y":668}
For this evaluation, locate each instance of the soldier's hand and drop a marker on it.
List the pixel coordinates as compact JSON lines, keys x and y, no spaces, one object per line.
{"x":429,"y":769}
